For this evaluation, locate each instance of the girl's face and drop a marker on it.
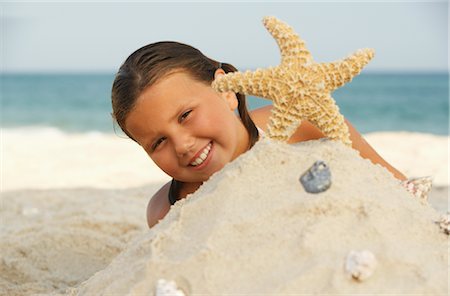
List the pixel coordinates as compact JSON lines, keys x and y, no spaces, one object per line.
{"x":187,"y":128}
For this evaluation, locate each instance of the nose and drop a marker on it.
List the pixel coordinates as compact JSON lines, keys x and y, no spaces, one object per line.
{"x":183,"y":145}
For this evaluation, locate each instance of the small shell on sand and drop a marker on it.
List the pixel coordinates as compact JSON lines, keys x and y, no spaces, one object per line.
{"x":444,"y":223}
{"x":360,"y":265}
{"x":317,"y":178}
{"x":30,"y":211}
{"x":419,"y":187}
{"x":167,"y":288}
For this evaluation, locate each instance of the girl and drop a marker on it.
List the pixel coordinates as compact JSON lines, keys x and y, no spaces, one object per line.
{"x":162,"y":99}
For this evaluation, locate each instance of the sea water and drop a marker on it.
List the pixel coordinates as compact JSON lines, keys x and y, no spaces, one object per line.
{"x":82,"y":102}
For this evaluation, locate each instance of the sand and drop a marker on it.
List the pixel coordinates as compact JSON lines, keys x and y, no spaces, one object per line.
{"x":415,"y":154}
{"x":46,"y":158}
{"x":236,"y":236}
{"x":67,"y":222}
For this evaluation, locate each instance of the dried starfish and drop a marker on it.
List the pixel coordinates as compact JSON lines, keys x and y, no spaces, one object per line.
{"x":299,"y":87}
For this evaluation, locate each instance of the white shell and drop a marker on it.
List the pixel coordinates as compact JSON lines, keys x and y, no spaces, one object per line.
{"x":419,"y":187}
{"x":29,"y":211}
{"x":167,"y":288}
{"x":360,"y":265}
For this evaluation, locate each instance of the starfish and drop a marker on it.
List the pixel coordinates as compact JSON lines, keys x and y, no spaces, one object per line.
{"x":299,"y":87}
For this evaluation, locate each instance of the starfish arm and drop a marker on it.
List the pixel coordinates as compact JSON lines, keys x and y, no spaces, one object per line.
{"x":338,"y":73}
{"x":330,"y":121}
{"x":260,"y":83}
{"x":293,"y":49}
{"x":283,"y":123}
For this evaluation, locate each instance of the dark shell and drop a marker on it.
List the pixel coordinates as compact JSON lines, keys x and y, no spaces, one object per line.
{"x":317,"y":178}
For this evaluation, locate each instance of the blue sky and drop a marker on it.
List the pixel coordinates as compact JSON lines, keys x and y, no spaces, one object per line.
{"x":97,"y":37}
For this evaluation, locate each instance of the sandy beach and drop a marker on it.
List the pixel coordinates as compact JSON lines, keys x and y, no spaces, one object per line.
{"x":71,"y":203}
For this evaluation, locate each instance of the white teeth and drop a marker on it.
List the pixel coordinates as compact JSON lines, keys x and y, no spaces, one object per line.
{"x":202,"y":157}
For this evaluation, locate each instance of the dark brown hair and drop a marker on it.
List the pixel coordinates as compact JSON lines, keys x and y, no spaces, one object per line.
{"x":150,"y":63}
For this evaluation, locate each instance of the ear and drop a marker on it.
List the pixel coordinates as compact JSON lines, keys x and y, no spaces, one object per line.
{"x":232,"y":100}
{"x":218,"y":73}
{"x":229,"y":96}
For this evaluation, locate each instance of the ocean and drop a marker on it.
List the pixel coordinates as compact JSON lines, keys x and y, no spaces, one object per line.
{"x":81,"y":102}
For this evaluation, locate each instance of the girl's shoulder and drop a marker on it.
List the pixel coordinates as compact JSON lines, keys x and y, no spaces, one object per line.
{"x":261,"y":116}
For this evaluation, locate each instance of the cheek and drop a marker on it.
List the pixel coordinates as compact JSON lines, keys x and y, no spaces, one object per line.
{"x":221,"y":118}
{"x":164,"y":161}
{"x":205,"y":123}
{"x":214,"y":126}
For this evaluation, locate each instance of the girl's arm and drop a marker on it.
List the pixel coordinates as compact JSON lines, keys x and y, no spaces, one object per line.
{"x":159,"y":205}
{"x":307,"y":131}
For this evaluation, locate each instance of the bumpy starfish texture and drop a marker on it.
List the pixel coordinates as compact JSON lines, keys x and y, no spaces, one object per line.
{"x":299,"y":88}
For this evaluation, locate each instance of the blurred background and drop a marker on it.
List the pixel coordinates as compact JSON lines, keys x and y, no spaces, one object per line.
{"x":59,"y":59}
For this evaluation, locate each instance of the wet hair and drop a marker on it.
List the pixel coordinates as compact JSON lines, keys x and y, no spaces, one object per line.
{"x":147,"y":65}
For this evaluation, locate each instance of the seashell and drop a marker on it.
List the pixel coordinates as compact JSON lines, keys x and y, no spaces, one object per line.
{"x":419,"y":187}
{"x":317,"y":178}
{"x":444,"y":223}
{"x":30,"y":211}
{"x":360,"y":265}
{"x":167,"y":288}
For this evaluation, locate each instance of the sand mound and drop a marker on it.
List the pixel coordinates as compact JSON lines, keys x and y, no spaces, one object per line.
{"x":253,"y":229}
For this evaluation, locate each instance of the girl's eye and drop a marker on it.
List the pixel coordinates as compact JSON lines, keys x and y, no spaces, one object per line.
{"x":184,"y":115}
{"x":157,"y":143}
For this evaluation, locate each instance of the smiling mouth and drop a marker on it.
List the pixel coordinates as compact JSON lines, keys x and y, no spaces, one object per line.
{"x":202,"y":157}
